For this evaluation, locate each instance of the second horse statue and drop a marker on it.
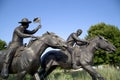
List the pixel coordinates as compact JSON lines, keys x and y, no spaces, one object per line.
{"x":84,"y":58}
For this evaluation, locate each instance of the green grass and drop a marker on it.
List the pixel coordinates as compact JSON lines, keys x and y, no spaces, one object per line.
{"x":109,"y":73}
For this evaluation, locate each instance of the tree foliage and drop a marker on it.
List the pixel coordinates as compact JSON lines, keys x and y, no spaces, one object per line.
{"x":2,"y":44}
{"x":111,"y":33}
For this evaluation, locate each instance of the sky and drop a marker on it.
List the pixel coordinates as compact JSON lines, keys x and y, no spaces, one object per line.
{"x":59,"y":16}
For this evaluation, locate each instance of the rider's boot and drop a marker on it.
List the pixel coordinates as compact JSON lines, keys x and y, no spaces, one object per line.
{"x":71,"y":51}
{"x":4,"y":72}
{"x":75,"y":66}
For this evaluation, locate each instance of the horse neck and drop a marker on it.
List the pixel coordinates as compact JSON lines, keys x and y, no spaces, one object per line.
{"x":92,"y":47}
{"x":39,"y":47}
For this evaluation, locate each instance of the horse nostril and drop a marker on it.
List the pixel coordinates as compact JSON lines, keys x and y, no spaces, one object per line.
{"x":114,"y":48}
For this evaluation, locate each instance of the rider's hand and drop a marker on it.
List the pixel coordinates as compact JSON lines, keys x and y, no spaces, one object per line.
{"x":39,"y":26}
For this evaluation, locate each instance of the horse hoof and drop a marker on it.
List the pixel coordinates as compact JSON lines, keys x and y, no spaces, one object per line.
{"x":4,"y":74}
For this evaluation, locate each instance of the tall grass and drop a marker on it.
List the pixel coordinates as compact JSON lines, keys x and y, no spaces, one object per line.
{"x":108,"y":72}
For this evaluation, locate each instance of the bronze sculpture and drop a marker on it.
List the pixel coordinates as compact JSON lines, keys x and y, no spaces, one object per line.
{"x":84,"y":58}
{"x":21,"y":59}
{"x":71,"y":41}
{"x":19,"y":34}
{"x":26,"y":60}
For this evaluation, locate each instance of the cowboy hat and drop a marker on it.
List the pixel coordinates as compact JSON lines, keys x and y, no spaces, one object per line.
{"x":24,"y":20}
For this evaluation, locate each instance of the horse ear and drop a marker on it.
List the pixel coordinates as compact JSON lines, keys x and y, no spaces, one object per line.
{"x":48,"y":32}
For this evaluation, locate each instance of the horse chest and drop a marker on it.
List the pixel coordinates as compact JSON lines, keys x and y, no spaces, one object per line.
{"x":86,"y":56}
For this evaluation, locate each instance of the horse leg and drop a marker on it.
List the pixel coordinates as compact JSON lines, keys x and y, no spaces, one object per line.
{"x":50,"y":67}
{"x":21,"y":75}
{"x":41,"y":73}
{"x":35,"y":76}
{"x":49,"y":70}
{"x":94,"y":74}
{"x":46,"y":70}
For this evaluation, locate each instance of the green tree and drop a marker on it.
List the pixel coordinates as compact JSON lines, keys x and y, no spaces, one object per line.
{"x":111,"y":33}
{"x":2,"y":44}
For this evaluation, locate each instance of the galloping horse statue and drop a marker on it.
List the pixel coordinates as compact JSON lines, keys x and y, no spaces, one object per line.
{"x":84,"y":57}
{"x":27,"y":59}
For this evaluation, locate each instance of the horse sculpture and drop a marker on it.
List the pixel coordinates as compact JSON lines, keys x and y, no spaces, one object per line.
{"x":84,"y":57}
{"x":27,"y":59}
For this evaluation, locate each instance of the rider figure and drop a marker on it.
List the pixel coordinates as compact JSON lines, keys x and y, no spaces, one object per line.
{"x":71,"y":41}
{"x":19,"y":33}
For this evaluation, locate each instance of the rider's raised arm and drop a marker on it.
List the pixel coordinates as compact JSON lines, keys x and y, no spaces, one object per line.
{"x":33,"y":31}
{"x":76,"y":38}
{"x":21,"y":34}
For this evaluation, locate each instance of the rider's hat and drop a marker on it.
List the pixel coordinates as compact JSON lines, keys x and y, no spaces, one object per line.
{"x":79,"y":30}
{"x":24,"y":20}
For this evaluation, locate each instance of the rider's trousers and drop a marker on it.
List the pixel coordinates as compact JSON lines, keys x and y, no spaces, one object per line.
{"x":9,"y":55}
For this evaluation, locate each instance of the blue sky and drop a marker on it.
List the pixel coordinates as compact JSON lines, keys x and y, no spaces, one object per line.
{"x":59,"y":16}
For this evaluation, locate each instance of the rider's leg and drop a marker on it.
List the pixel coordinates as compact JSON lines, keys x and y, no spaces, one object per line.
{"x":74,"y":62}
{"x":8,"y":59}
{"x":73,"y":58}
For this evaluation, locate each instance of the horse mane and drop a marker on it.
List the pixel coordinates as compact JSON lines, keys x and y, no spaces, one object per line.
{"x":91,"y":38}
{"x":33,"y":40}
{"x":48,"y":33}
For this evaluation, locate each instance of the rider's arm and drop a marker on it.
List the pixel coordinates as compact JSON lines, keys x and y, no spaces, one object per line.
{"x":78,"y":41}
{"x":33,"y":31}
{"x":21,"y":34}
{"x":76,"y":38}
